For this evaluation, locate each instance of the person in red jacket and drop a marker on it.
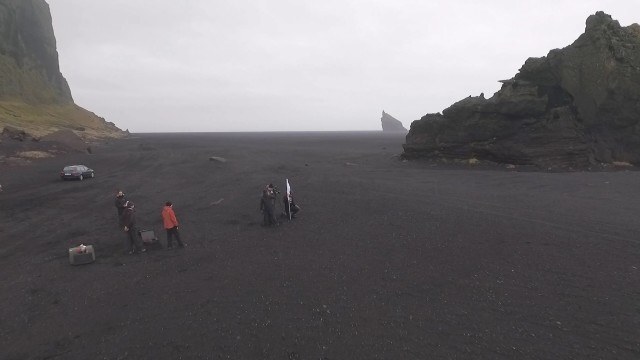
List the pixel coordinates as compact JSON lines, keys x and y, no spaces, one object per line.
{"x":171,"y":225}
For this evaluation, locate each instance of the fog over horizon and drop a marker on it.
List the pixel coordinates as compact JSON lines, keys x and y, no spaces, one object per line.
{"x":219,"y":66}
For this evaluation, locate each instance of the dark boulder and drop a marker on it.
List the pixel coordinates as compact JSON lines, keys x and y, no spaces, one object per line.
{"x":576,"y":107}
{"x":15,"y":133}
{"x":391,"y":124}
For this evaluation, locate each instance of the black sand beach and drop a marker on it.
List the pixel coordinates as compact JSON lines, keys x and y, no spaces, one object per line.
{"x":387,"y":260}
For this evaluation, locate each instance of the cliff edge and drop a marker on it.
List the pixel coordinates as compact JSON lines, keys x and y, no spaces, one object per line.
{"x":34,"y":95}
{"x":576,"y":107}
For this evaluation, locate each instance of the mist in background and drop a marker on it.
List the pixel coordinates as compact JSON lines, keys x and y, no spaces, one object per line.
{"x":201,"y":65}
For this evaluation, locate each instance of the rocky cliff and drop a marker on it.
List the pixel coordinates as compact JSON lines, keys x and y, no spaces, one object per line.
{"x":34,"y":96}
{"x":576,"y":107}
{"x":391,"y":124}
{"x":28,"y":56}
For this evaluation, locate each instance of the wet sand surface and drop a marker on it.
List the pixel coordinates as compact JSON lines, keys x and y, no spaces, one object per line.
{"x":387,"y":259}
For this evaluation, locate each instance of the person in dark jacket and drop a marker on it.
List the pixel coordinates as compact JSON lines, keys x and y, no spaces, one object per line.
{"x":120,"y":201}
{"x":272,"y":190}
{"x":132,"y":243}
{"x":267,"y":206}
{"x":290,"y":206}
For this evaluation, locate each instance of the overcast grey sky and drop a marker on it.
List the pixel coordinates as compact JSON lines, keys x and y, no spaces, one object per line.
{"x":298,"y":65}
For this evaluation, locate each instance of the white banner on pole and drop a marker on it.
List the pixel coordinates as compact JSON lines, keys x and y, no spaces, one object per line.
{"x":288,"y":198}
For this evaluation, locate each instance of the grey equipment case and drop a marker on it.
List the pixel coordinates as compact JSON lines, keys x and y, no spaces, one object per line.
{"x":81,"y":255}
{"x":150,"y":240}
{"x":147,"y":236}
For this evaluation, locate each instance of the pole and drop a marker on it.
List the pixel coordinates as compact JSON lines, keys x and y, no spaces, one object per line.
{"x":288,"y":199}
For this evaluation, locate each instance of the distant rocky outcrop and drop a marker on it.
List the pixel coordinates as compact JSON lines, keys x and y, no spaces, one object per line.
{"x":391,"y":124}
{"x":34,"y":96}
{"x":576,"y":107}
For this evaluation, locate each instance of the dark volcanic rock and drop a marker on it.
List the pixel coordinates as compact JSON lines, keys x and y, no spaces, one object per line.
{"x":66,"y":140}
{"x":14,"y":141}
{"x":28,"y":55}
{"x":391,"y":124}
{"x":15,"y":134}
{"x":577,"y":106}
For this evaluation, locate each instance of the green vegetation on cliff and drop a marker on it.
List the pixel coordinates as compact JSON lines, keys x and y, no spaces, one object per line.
{"x":43,"y":119}
{"x":34,"y":96}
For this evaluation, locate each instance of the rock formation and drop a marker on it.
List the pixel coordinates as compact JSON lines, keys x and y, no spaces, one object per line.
{"x":576,"y":107}
{"x":66,"y":141}
{"x":28,"y":55}
{"x":391,"y":124}
{"x":34,"y":96}
{"x":15,"y":134}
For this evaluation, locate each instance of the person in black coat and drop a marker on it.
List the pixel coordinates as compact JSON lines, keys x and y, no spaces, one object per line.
{"x":132,"y":243}
{"x":290,"y":206}
{"x":267,"y":206}
{"x":120,"y":202}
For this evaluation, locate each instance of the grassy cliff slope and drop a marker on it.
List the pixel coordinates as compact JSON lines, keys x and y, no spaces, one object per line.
{"x":34,"y":96}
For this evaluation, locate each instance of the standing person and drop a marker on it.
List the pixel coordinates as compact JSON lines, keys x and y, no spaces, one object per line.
{"x":171,"y":225}
{"x":273,"y":191}
{"x":273,"y":194}
{"x":120,"y":202}
{"x":267,"y":206}
{"x":132,"y":243}
{"x":290,"y":206}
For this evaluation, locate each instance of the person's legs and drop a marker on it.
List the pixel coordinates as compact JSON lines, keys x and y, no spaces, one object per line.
{"x":131,"y":241}
{"x":127,"y":243}
{"x":177,"y":234}
{"x":136,"y":241}
{"x":169,"y":238}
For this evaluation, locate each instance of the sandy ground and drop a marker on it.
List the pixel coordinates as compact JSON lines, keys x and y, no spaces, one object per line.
{"x":387,"y":260}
